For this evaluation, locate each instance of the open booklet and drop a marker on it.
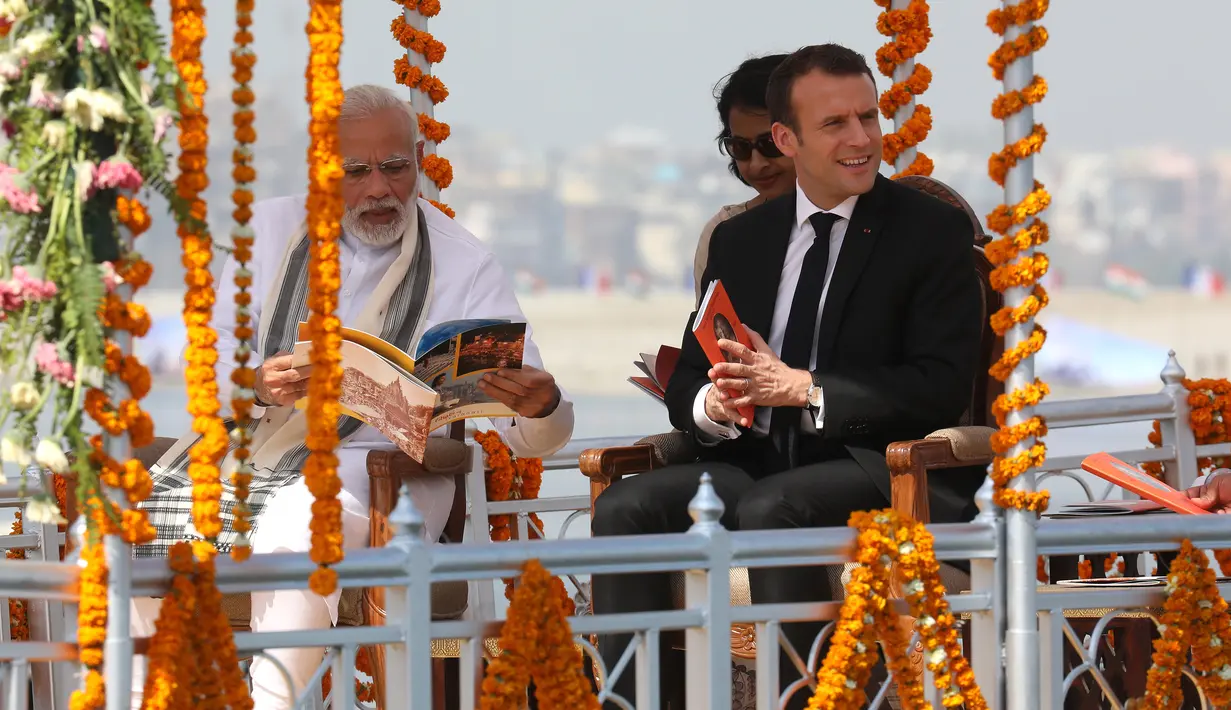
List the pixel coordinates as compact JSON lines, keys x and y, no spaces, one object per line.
{"x":1159,"y":497}
{"x":406,"y":398}
{"x":657,"y":369}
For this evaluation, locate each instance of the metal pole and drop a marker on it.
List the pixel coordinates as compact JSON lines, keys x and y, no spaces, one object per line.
{"x":419,"y":100}
{"x":707,"y":649}
{"x":118,"y":648}
{"x":1021,"y":634}
{"x":900,"y":74}
{"x":987,"y":627}
{"x":1178,"y":432}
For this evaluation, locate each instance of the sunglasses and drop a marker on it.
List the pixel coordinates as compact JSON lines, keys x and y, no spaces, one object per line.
{"x":741,"y":148}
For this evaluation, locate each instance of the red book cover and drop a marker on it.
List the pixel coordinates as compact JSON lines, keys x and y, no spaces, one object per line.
{"x":716,"y":320}
{"x":664,"y":364}
{"x":1129,"y":477}
{"x":658,"y":370}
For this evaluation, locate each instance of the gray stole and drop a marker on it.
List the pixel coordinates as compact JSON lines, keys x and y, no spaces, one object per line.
{"x":278,"y":445}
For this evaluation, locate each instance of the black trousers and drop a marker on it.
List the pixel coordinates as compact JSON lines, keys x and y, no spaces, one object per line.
{"x":818,"y":495}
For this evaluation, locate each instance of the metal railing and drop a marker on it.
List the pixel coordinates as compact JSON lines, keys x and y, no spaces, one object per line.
{"x":408,"y":567}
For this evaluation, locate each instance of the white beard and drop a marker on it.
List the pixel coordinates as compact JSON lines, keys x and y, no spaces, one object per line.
{"x":378,"y":235}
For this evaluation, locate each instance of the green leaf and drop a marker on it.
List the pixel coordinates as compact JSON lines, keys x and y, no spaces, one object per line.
{"x":88,"y":293}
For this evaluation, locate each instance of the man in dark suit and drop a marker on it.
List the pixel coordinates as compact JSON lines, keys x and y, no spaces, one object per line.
{"x":863,"y":308}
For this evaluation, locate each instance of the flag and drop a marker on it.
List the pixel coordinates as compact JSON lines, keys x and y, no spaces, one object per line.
{"x":1201,"y":280}
{"x":1126,"y":282}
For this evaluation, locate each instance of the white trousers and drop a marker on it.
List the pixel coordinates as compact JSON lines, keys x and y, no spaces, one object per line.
{"x":284,"y":527}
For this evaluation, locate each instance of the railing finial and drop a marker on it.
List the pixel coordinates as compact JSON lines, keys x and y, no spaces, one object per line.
{"x":706,"y":507}
{"x":407,"y":521}
{"x":983,"y":501}
{"x":1172,"y":373}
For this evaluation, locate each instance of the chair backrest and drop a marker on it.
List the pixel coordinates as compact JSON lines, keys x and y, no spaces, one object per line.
{"x":455,"y":528}
{"x":987,"y":388}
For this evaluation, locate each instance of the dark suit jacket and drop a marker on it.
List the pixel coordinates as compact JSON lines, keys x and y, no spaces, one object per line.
{"x":899,"y":333}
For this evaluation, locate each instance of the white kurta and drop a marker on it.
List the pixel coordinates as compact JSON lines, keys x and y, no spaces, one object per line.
{"x":468,"y":283}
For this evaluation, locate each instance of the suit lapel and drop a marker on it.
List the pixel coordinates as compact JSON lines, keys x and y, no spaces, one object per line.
{"x":763,"y":258}
{"x":857,"y":247}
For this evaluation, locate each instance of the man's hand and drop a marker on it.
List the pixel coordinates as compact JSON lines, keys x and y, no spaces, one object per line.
{"x":760,"y":378}
{"x":530,"y":392}
{"x":279,"y":384}
{"x":1214,"y":495}
{"x":719,"y":410}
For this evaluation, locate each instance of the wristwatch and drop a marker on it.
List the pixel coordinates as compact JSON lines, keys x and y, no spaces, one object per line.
{"x":814,"y":394}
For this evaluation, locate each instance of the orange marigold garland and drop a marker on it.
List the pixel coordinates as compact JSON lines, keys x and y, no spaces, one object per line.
{"x":324,"y":90}
{"x":91,"y":626}
{"x":536,"y":643}
{"x":225,"y":681}
{"x":19,"y":628}
{"x":1194,"y":619}
{"x":173,"y":632}
{"x":192,"y":655}
{"x":116,"y":314}
{"x":421,"y":42}
{"x":910,"y":35}
{"x":1014,"y":272}
{"x":364,"y":692}
{"x":511,"y":478}
{"x":243,"y":377}
{"x":1209,"y":416}
{"x":188,"y":32}
{"x":886,"y":537}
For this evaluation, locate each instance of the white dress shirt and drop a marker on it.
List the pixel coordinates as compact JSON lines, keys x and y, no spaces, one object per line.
{"x":468,"y":283}
{"x":802,"y":236}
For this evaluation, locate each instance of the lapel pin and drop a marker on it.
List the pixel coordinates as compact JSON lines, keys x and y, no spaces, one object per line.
{"x":867,"y":230}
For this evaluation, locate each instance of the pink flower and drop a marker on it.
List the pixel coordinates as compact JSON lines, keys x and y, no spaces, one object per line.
{"x":162,"y":121}
{"x":47,"y":359}
{"x":118,"y":173}
{"x":10,"y":298}
{"x":41,"y":96}
{"x":98,"y":38}
{"x":10,"y":67}
{"x":110,"y":278}
{"x":32,"y":290}
{"x":21,"y":200}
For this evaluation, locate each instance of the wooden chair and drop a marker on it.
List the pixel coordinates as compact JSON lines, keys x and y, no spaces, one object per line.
{"x":357,"y":607}
{"x":909,"y":462}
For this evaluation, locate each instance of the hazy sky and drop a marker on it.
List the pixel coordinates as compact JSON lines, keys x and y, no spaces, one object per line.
{"x":565,"y":72}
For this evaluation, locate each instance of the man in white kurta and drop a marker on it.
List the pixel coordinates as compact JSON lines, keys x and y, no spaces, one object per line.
{"x":379,"y":146}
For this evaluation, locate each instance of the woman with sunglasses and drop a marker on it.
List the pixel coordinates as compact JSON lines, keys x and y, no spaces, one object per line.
{"x":745,"y":139}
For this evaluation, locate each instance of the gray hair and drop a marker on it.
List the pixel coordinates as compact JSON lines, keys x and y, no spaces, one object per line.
{"x":366,"y":99}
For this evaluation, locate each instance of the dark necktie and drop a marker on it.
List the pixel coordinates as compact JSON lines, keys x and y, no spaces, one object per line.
{"x":800,"y":335}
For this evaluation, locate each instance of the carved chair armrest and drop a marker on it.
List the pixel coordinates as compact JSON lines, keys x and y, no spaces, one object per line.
{"x":442,"y":457}
{"x":910,"y":461}
{"x":603,"y":466}
{"x":609,"y":464}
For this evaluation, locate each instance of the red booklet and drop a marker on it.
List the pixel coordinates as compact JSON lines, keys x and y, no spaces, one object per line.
{"x":716,"y":320}
{"x":1131,"y":478}
{"x":658,"y":370}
